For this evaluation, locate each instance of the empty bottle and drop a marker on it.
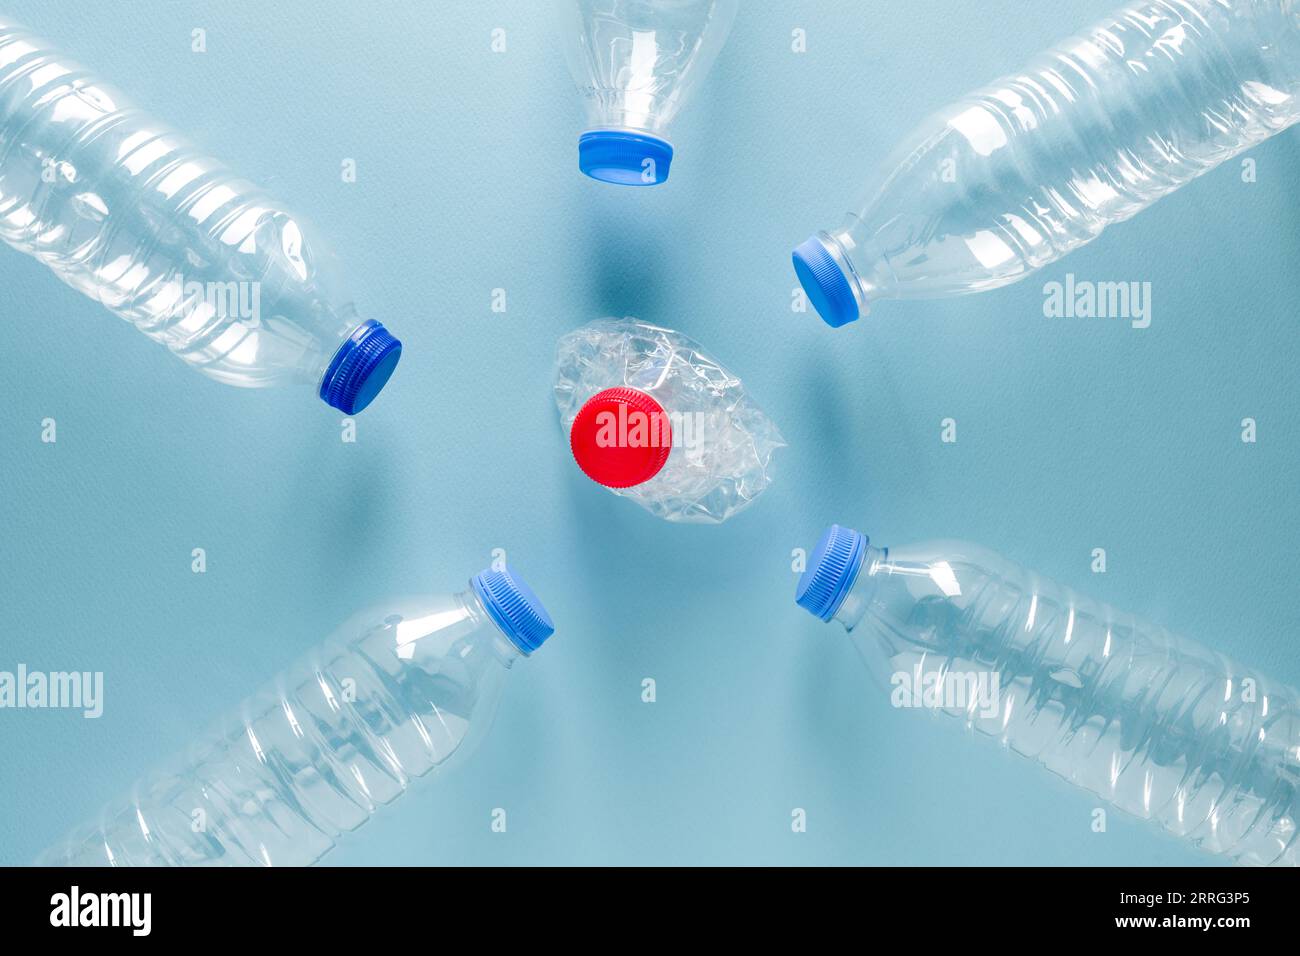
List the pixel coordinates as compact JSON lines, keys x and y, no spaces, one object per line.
{"x":1022,"y":172}
{"x":397,"y":693}
{"x":1161,"y":727}
{"x":653,"y":418}
{"x":128,"y":212}
{"x":635,"y":63}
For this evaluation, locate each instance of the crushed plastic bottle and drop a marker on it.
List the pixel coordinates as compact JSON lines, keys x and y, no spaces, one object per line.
{"x":398,"y":692}
{"x":1163,"y":728}
{"x":635,"y":63}
{"x":126,"y":211}
{"x":1020,"y":173}
{"x":655,"y":419}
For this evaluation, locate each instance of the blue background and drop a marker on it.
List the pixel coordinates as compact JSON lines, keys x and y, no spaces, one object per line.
{"x":1072,"y":434}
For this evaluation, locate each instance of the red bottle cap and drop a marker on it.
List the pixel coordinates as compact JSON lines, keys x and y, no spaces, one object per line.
{"x":621,"y":437}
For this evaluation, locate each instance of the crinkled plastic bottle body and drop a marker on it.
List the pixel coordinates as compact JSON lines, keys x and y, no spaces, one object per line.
{"x":723,"y":443}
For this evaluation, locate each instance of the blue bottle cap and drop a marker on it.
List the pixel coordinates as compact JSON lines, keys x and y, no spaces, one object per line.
{"x":831,"y":571}
{"x":825,"y":282}
{"x":623,"y":157}
{"x":360,"y":368}
{"x":513,"y":607}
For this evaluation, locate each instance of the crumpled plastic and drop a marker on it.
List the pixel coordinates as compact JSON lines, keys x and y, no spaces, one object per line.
{"x":721,"y":459}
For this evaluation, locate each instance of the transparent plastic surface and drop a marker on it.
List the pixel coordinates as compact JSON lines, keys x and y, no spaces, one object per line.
{"x":395,"y":694}
{"x":1020,"y":173}
{"x":1160,"y":726}
{"x":721,"y":456}
{"x":636,"y":61}
{"x":126,"y":211}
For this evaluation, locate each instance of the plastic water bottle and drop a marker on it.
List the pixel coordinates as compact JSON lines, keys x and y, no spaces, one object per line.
{"x":397,"y":693}
{"x":128,"y":212}
{"x":635,"y":63}
{"x":1159,"y":726}
{"x":654,"y":418}
{"x":1028,"y":169}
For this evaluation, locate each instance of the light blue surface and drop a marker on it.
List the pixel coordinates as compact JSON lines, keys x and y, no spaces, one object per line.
{"x":1072,"y":435}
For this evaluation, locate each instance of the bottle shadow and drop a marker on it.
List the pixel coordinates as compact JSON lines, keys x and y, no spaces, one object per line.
{"x":625,"y":268}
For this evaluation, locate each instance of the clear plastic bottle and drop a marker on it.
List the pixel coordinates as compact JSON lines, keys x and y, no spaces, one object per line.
{"x":1024,"y":171}
{"x":398,"y":692}
{"x":128,"y":212}
{"x":654,"y":418}
{"x":1159,"y":726}
{"x":635,"y":63}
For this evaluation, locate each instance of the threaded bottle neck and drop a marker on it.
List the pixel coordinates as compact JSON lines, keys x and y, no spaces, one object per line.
{"x":858,"y":599}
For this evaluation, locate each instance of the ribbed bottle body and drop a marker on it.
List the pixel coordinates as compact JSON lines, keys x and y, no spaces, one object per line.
{"x":636,"y":61}
{"x":1031,"y":167}
{"x":396,"y":694}
{"x":128,"y":212}
{"x":1159,"y":726}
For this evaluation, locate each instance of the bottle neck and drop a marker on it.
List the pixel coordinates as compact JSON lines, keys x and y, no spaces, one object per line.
{"x":856,"y":602}
{"x":435,"y":628}
{"x":317,"y":362}
{"x":503,"y":648}
{"x":844,"y":249}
